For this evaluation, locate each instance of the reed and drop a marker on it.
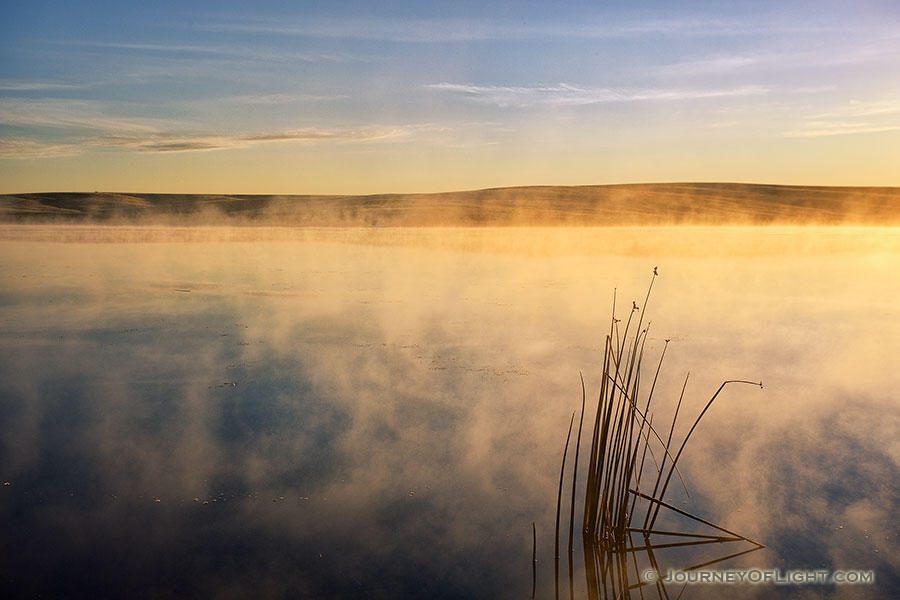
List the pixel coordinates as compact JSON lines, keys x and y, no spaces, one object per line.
{"x":622,"y":439}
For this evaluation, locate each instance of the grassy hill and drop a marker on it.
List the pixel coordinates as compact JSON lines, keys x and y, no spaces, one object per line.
{"x":633,"y":204}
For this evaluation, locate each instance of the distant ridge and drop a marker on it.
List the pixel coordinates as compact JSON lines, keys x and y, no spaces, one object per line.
{"x":601,"y":205}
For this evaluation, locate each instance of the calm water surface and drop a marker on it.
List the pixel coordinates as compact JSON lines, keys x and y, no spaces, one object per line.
{"x":219,"y":413}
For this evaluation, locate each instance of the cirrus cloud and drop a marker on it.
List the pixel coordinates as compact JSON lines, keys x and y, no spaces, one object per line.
{"x":564,"y":94}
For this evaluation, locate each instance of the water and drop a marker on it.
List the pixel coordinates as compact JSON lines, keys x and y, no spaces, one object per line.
{"x":381,"y":413}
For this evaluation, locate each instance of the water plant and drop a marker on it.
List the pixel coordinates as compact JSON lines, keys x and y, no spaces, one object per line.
{"x":624,"y":491}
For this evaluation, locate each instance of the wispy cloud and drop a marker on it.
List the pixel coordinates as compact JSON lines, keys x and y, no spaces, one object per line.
{"x":569,"y":95}
{"x":30,"y":148}
{"x":438,"y":30}
{"x":165,"y":48}
{"x":162,"y":142}
{"x":855,"y":117}
{"x":401,"y":30}
{"x":63,"y":128}
{"x":841,"y":53}
{"x":30,"y":86}
{"x":824,"y":128}
{"x":711,"y":65}
{"x":858,"y":108}
{"x":279,"y":98}
{"x":169,"y":142}
{"x":317,"y":134}
{"x":254,"y":52}
{"x":70,"y":114}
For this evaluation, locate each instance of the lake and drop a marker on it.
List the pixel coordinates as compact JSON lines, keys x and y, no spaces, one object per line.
{"x":267,"y":412}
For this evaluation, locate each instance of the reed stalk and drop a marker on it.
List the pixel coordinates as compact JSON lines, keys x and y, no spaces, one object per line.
{"x":621,"y":439}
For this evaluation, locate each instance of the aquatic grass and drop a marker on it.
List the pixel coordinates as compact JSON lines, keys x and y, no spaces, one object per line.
{"x":622,"y":439}
{"x":562,"y":473}
{"x":533,"y":558}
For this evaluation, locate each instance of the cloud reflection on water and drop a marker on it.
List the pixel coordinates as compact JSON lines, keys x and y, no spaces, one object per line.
{"x":407,"y":396}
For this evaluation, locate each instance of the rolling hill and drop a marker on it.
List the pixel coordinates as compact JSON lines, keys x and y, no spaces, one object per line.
{"x":603,"y":205}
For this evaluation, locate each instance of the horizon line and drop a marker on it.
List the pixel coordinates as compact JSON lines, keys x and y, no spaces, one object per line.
{"x":467,"y":190}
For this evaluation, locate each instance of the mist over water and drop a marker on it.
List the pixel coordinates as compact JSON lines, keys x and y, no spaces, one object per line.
{"x":381,"y":412}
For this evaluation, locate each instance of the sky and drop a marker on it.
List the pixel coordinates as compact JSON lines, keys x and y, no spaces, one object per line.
{"x":397,"y":97}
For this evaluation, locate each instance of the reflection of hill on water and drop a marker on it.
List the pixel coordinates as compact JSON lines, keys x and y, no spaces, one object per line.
{"x":632,"y":204}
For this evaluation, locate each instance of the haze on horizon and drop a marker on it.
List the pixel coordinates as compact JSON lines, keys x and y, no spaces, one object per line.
{"x":352,"y":98}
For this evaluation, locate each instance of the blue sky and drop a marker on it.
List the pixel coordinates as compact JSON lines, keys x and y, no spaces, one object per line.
{"x":409,"y":96}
